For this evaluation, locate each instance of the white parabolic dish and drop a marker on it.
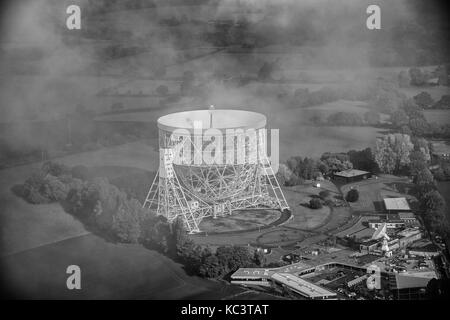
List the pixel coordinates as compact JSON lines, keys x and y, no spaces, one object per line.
{"x":222,"y":119}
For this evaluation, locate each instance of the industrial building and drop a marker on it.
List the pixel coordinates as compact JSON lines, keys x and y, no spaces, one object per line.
{"x":395,"y":205}
{"x":351,"y":175}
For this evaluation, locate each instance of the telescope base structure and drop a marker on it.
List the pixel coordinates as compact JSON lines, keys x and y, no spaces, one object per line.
{"x":168,"y":197}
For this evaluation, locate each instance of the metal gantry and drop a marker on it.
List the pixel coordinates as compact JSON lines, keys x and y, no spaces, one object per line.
{"x":194,"y":192}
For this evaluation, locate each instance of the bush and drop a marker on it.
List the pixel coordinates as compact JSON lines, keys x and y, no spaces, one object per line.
{"x":162,"y":90}
{"x":126,"y":221}
{"x":315,"y":203}
{"x":81,"y":172}
{"x":54,"y":168}
{"x":53,"y":189}
{"x":293,"y":181}
{"x":352,"y":195}
{"x":32,"y":195}
{"x":324,"y":194}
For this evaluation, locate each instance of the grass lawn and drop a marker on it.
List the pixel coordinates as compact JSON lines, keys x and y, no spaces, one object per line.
{"x":372,"y":192}
{"x":240,"y":220}
{"x":441,"y":117}
{"x":326,"y":109}
{"x":108,"y":271}
{"x":304,"y":217}
{"x":436,"y":92}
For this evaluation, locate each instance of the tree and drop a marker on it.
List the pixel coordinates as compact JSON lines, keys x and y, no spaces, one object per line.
{"x":417,"y":77}
{"x":54,"y":168}
{"x":392,"y":152}
{"x":211,"y":267}
{"x":284,"y":174}
{"x":259,"y":258}
{"x":372,"y":118}
{"x":117,"y":106}
{"x":53,"y":189}
{"x":418,"y":162}
{"x":315,"y":203}
{"x":345,"y":119}
{"x":162,"y":90}
{"x":432,"y":201}
{"x":424,"y":100}
{"x":81,"y":172}
{"x":438,"y":289}
{"x":399,"y":118}
{"x":335,"y":165}
{"x":233,"y":257}
{"x":352,"y":195}
{"x":443,"y":73}
{"x":267,"y":70}
{"x":187,"y":82}
{"x":363,"y":160}
{"x":403,"y":79}
{"x":126,"y":221}
{"x":443,"y":103}
{"x":324,"y":194}
{"x":419,"y":127}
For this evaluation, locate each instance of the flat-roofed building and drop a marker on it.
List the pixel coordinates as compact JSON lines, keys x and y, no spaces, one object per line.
{"x":302,"y":287}
{"x":441,"y":149}
{"x":390,"y":223}
{"x":396,"y":205}
{"x":351,"y":175}
{"x":408,"y":218}
{"x":424,"y":248}
{"x":251,"y":276}
{"x":408,"y":236}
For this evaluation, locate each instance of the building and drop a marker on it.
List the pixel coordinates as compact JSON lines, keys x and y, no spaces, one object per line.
{"x":408,"y":218}
{"x":301,"y":286}
{"x":408,"y":236}
{"x":441,"y":150}
{"x":395,"y":205}
{"x":252,"y":276}
{"x":399,"y":240}
{"x":410,"y":285}
{"x":291,"y":278}
{"x":351,"y":175}
{"x":425,"y":249}
{"x":390,"y":223}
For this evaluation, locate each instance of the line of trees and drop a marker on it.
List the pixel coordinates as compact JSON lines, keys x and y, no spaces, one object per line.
{"x":297,"y":169}
{"x":115,"y":215}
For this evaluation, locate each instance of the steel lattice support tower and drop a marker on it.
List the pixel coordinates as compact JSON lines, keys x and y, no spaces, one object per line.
{"x":195,"y":191}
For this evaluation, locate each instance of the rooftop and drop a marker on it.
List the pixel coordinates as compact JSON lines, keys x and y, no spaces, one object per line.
{"x":441,"y":147}
{"x":406,"y":215}
{"x":408,"y":232}
{"x":302,"y":286}
{"x":350,"y":173}
{"x":252,"y":273}
{"x":414,"y":279}
{"x":396,"y":204}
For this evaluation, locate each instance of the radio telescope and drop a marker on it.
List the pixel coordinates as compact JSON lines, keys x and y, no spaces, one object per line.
{"x":212,"y":162}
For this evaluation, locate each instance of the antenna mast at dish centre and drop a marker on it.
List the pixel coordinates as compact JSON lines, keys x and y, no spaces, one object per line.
{"x":190,"y":187}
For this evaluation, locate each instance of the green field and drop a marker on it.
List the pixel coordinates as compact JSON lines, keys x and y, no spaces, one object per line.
{"x":441,"y":117}
{"x":240,"y":220}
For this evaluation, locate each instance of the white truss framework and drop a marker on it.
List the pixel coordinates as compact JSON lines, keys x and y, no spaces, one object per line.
{"x":195,"y":192}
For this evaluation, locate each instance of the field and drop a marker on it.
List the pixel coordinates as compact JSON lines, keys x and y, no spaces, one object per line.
{"x":324,"y":110}
{"x":240,"y":220}
{"x":441,"y":117}
{"x":436,"y":92}
{"x":372,"y":192}
{"x":109,"y":271}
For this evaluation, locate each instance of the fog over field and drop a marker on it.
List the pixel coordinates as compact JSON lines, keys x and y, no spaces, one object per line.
{"x":299,"y":62}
